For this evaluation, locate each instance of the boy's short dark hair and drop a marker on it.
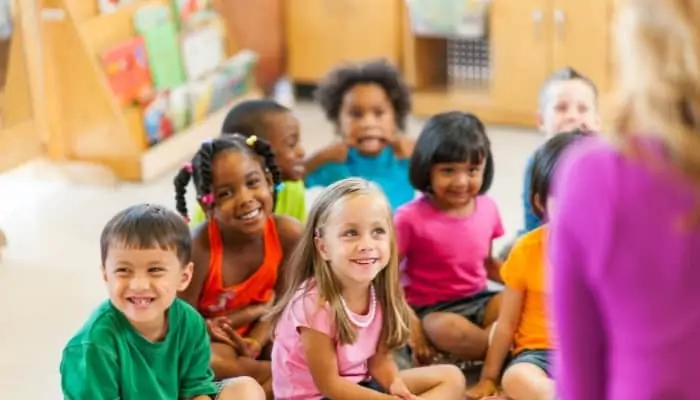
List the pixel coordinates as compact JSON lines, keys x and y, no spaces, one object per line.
{"x":450,"y":137}
{"x":148,"y":226}
{"x":544,"y":165}
{"x":248,"y":117}
{"x":562,"y":75}
{"x":331,"y":90}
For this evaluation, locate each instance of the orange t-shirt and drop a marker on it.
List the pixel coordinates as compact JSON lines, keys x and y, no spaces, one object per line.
{"x":217,"y":300}
{"x":525,"y":270}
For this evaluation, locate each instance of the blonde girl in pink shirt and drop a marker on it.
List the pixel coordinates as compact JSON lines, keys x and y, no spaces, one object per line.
{"x":344,"y":312}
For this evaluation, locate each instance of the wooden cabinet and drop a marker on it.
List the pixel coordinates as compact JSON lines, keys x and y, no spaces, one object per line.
{"x":324,"y":33}
{"x":528,"y":40}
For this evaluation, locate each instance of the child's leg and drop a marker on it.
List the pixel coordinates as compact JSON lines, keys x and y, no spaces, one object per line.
{"x":451,"y":330}
{"x":439,"y":382}
{"x":526,"y":377}
{"x":241,"y":388}
{"x":226,"y":364}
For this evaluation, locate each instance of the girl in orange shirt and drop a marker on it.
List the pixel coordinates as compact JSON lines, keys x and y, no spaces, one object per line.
{"x":238,"y":252}
{"x":523,"y":322}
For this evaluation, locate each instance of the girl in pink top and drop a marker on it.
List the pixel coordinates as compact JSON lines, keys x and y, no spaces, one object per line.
{"x":343,"y":312}
{"x":445,"y":239}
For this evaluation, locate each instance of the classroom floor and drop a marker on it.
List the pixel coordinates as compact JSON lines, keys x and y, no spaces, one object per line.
{"x":50,"y":273}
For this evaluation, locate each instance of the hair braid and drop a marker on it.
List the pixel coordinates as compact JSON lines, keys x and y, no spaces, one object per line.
{"x":182,"y":179}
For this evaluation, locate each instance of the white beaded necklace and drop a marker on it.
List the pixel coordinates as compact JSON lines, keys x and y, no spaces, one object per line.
{"x":372,"y":310}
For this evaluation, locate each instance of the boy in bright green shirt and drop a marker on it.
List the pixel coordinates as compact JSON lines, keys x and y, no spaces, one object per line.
{"x":143,"y":343}
{"x":277,"y":125}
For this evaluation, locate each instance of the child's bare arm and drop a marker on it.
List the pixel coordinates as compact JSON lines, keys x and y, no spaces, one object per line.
{"x":336,"y":152}
{"x":508,"y":320}
{"x":319,"y":349}
{"x":493,"y":267}
{"x":382,"y":367}
{"x":200,"y":259}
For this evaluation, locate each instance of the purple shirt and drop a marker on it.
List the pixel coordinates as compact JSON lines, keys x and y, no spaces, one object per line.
{"x":626,"y":277}
{"x":443,"y":256}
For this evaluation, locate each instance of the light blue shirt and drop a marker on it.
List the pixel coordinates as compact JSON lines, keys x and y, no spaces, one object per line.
{"x":384,"y":169}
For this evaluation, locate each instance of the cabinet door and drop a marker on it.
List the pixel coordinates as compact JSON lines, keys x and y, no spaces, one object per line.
{"x":582,"y":38}
{"x":313,"y":28}
{"x":521,"y":49}
{"x":323,"y":33}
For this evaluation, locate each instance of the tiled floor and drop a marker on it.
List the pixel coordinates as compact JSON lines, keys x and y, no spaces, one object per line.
{"x":49,"y":277}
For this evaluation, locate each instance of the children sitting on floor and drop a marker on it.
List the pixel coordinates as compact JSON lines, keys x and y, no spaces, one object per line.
{"x":343,"y":312}
{"x":275,"y":123}
{"x":524,"y":322}
{"x":368,"y":104}
{"x":144,"y":343}
{"x":238,"y":253}
{"x":445,"y":239}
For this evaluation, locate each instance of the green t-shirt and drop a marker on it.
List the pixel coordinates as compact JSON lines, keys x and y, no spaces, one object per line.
{"x":291,"y":201}
{"x":108,"y":359}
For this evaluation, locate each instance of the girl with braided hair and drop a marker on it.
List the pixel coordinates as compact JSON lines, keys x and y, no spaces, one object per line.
{"x":238,"y":252}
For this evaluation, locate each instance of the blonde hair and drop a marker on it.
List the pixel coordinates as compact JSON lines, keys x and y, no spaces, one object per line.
{"x":659,"y":66}
{"x":306,"y":264}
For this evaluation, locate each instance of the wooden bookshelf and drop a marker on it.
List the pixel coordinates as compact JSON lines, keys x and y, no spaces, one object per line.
{"x":88,"y":123}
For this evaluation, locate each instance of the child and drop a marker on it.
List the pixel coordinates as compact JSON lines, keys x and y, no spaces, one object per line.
{"x":445,"y":238}
{"x":568,"y":101}
{"x":343,"y":311}
{"x":276,"y":124}
{"x":238,"y":253}
{"x":523,"y":321}
{"x":625,"y":232}
{"x":368,"y":104}
{"x":143,"y":342}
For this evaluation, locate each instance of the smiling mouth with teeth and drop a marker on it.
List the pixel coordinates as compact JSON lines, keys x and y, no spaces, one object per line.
{"x":250,"y":215}
{"x":365,"y":261}
{"x":140,"y":301}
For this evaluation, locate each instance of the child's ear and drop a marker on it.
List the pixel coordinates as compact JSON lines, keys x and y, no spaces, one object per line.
{"x":539,"y":119}
{"x":104,"y":273}
{"x":186,"y":277}
{"x":322,"y":248}
{"x":540,"y":208}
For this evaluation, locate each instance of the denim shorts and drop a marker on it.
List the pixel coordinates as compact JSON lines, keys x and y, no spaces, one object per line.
{"x":538,"y":358}
{"x":470,"y":307}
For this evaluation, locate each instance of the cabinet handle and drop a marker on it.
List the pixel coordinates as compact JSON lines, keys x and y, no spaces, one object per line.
{"x":537,"y":22}
{"x":559,"y":20}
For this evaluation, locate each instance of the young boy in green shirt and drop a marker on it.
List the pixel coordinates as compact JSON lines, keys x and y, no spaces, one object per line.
{"x":144,"y":343}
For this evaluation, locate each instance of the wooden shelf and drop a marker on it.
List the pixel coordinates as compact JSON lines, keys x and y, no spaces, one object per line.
{"x":89,"y":123}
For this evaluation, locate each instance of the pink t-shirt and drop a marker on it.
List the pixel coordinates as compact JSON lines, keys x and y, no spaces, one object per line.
{"x":291,"y":377}
{"x":442,"y":255}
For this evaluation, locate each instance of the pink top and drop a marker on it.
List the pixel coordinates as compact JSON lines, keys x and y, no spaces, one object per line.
{"x":291,"y":377}
{"x":443,"y":256}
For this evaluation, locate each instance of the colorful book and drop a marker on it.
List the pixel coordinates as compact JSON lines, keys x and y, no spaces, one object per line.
{"x":155,"y":24}
{"x":156,"y":119}
{"x":127,"y":69}
{"x":191,"y":12}
{"x":202,"y":51}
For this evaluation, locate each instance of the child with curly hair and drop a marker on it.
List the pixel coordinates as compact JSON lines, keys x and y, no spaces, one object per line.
{"x":368,"y":104}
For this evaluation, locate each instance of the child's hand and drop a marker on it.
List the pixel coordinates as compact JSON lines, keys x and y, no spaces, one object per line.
{"x":423,"y":351}
{"x":403,"y":146}
{"x":220,"y":330}
{"x":252,"y":348}
{"x":485,"y":387}
{"x":399,"y":390}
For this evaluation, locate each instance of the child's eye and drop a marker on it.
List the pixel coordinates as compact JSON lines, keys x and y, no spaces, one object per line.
{"x":156,"y":270}
{"x":252,"y":183}
{"x":121,"y":271}
{"x":224,"y":193}
{"x":447,"y":170}
{"x":379,"y":231}
{"x":350,"y":233}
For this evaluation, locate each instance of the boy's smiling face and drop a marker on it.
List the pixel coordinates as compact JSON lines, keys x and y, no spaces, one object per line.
{"x":569,"y":105}
{"x":143,"y":283}
{"x":285,"y":139}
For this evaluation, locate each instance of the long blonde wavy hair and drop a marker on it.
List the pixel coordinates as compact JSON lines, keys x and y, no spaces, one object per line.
{"x":306,"y":264}
{"x":659,"y":76}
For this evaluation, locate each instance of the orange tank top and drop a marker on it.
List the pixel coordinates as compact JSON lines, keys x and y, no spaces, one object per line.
{"x":217,"y":300}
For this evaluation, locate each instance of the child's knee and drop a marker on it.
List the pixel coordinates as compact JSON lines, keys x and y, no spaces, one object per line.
{"x":452,"y":376}
{"x":526,"y":381}
{"x":242,"y":388}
